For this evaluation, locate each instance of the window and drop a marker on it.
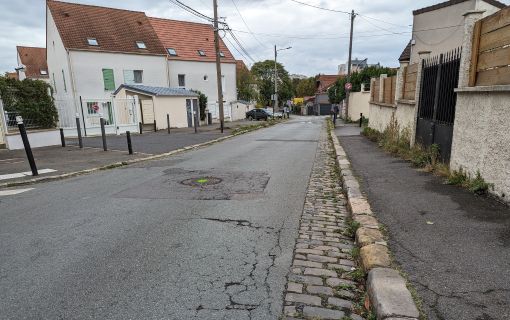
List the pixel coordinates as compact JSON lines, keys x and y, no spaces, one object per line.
{"x":171,"y":51}
{"x":141,"y":45}
{"x":133,"y":76}
{"x":201,"y":53}
{"x":108,"y":80}
{"x":222,"y":54}
{"x":44,"y":72}
{"x":92,"y":42}
{"x":182,"y":80}
{"x":206,"y":78}
{"x":64,"y":78}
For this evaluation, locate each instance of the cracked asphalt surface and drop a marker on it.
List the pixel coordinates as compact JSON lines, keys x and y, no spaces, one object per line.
{"x":454,"y":246}
{"x":135,"y":243}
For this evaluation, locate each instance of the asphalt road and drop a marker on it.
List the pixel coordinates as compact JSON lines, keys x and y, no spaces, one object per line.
{"x":136,"y":243}
{"x":454,"y":246}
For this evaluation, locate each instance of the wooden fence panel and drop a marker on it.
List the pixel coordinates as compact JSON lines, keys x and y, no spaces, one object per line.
{"x":387,"y":90}
{"x":490,"y":59}
{"x":410,"y":80}
{"x":374,"y":90}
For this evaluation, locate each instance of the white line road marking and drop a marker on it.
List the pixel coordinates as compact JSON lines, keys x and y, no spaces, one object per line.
{"x":11,"y":159}
{"x":24,"y":174}
{"x":4,"y":193}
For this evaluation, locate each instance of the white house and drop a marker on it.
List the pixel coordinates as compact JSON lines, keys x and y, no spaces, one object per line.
{"x":91,"y":51}
{"x":440,"y":28}
{"x":32,"y":63}
{"x":192,"y":60}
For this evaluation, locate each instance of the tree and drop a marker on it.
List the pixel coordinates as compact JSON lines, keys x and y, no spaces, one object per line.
{"x":306,"y":87}
{"x":337,"y":92}
{"x":245,"y":84}
{"x":263,"y":73}
{"x":31,"y":99}
{"x":202,"y":103}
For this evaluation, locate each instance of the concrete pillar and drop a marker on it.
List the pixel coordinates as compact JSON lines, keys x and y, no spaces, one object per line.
{"x":470,"y":19}
{"x":381,"y":86}
{"x":399,"y":94}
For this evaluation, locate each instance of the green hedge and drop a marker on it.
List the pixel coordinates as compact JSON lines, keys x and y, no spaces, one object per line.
{"x":30,"y":99}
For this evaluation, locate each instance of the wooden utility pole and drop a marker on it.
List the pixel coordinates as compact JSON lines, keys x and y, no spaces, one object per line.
{"x":275,"y":107}
{"x":218,"y":65}
{"x":353,"y":15}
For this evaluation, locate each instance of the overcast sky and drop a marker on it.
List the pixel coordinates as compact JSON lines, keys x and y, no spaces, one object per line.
{"x":319,"y":38}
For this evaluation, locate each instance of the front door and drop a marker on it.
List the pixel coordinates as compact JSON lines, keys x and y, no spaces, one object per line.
{"x":189,"y":113}
{"x":147,"y":111}
{"x":196,"y":111}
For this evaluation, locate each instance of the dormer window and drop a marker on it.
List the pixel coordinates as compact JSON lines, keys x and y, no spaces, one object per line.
{"x":201,"y":53}
{"x":222,"y":54}
{"x":141,"y":45}
{"x":171,"y":51}
{"x":44,"y":72}
{"x":92,"y":42}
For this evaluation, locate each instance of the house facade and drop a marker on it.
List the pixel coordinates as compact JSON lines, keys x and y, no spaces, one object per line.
{"x":440,"y":28}
{"x":31,"y":63}
{"x":356,"y":66}
{"x":192,"y":60}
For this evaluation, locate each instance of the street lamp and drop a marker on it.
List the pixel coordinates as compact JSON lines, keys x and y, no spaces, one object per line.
{"x":276,"y":78}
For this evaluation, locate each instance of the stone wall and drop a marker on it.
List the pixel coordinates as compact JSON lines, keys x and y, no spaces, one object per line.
{"x":481,"y":139}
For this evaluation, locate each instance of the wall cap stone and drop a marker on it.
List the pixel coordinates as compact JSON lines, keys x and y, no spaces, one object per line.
{"x":502,"y":88}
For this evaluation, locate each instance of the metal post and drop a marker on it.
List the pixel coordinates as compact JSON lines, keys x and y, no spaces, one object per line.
{"x":26,"y":144}
{"x":62,"y":138}
{"x":195,"y":121}
{"x":130,"y":146}
{"x":275,"y":106}
{"x":155,"y":128}
{"x":168,"y":122}
{"x":140,"y":125}
{"x":353,"y":15}
{"x":78,"y":129}
{"x":360,"y":119}
{"x":103,"y":133}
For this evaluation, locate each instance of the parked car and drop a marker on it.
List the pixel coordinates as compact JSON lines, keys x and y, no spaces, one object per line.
{"x":276,"y":114}
{"x":257,"y":114}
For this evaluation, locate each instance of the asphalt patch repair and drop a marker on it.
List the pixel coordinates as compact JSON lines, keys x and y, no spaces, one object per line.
{"x":183,"y":184}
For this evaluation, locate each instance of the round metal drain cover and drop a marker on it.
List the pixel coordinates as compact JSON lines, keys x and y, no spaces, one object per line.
{"x":201,"y":181}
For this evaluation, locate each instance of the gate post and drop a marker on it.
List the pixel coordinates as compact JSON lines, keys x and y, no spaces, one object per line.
{"x":423,"y":55}
{"x":438,"y":87}
{"x":466,"y":78}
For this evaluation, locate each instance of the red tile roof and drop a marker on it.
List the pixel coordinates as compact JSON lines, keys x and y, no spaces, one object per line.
{"x":186,"y":38}
{"x":324,"y":82}
{"x":116,"y":30}
{"x":12,"y":75}
{"x":34,"y":60}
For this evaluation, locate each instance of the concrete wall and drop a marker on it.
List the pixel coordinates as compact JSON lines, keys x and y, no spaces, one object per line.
{"x":380,"y":116}
{"x":37,"y":139}
{"x":405,"y":115}
{"x":238,"y":110}
{"x":358,"y":103}
{"x":176,"y":107}
{"x":202,"y":76}
{"x":481,"y":139}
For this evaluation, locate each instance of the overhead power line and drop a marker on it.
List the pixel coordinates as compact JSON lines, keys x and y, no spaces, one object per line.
{"x":321,"y":8}
{"x":246,"y":25}
{"x":390,"y":23}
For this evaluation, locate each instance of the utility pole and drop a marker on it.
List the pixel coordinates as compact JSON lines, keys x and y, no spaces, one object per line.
{"x":347,"y":91}
{"x":275,"y":82}
{"x":218,"y":64}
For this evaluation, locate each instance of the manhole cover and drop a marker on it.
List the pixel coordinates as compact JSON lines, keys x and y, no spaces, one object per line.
{"x":201,"y":181}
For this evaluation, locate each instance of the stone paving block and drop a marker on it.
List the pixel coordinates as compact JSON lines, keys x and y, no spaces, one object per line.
{"x":389,"y":295}
{"x":306,"y":279}
{"x":374,"y":255}
{"x":309,"y":251}
{"x":303,"y":298}
{"x":340,"y":303}
{"x":322,"y":313}
{"x":322,"y":259}
{"x":335,"y":282}
{"x":295,"y":287}
{"x":290,"y":311}
{"x":305,"y":263}
{"x":320,"y":272}
{"x":320,"y":290}
{"x":366,"y":236}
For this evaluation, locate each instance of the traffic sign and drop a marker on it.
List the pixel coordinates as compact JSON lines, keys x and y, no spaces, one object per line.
{"x":348,"y":86}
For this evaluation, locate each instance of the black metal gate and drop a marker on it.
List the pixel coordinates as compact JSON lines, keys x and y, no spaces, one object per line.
{"x":436,"y":111}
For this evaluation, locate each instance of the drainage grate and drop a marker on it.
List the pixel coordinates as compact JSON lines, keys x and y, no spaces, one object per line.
{"x":201,"y":181}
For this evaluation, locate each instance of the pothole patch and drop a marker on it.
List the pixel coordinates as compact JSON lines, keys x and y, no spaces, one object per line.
{"x":201,"y":181}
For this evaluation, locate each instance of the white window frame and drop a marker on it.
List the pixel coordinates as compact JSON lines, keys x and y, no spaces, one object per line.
{"x":93,"y":42}
{"x":169,"y":51}
{"x":179,"y":82}
{"x":130,"y":78}
{"x":201,"y":53}
{"x":141,"y":45}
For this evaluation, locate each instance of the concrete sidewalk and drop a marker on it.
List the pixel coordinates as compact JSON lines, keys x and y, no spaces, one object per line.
{"x":454,"y":246}
{"x":57,"y":160}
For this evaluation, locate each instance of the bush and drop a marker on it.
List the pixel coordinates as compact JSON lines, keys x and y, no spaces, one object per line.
{"x":30,"y":99}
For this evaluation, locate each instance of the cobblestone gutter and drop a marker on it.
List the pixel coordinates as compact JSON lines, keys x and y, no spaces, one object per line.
{"x":388,"y":295}
{"x":324,"y":282}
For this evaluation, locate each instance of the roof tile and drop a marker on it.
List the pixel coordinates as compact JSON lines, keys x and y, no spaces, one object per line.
{"x":34,"y":60}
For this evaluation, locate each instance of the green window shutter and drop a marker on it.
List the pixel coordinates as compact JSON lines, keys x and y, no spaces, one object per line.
{"x":108,"y":79}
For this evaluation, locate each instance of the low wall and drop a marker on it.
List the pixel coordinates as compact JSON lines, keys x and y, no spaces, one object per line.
{"x":406,"y":115}
{"x":37,"y":139}
{"x":359,"y":103}
{"x":481,"y":139}
{"x":380,"y":115}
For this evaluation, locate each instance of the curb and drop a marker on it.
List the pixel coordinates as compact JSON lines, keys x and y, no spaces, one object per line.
{"x":123,"y":163}
{"x":387,"y":292}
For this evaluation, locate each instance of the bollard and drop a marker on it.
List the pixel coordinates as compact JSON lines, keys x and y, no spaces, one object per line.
{"x":62,"y":138}
{"x":26,"y":144}
{"x":221,"y":125}
{"x":209,"y":118}
{"x":360,"y":119}
{"x":78,"y":129}
{"x":168,"y":122}
{"x":195,"y":121}
{"x":141,"y":127}
{"x":130,"y":146}
{"x":103,"y":134}
{"x":155,"y":128}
